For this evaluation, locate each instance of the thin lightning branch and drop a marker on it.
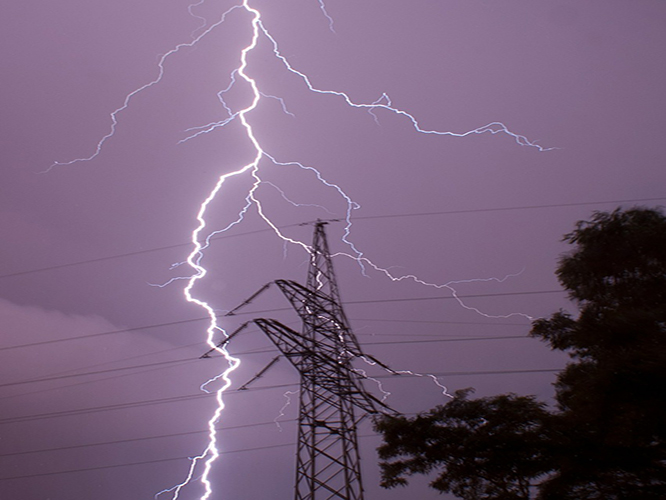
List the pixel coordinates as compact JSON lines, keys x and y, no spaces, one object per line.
{"x":363,"y":373}
{"x":287,"y":395}
{"x":282,"y":103}
{"x":322,"y":6}
{"x":386,"y":394}
{"x":128,"y":98}
{"x":373,"y":362}
{"x":492,"y":128}
{"x":205,"y":129}
{"x":351,"y":204}
{"x":448,"y":285}
{"x":291,"y":202}
{"x":170,"y":490}
{"x":190,"y":9}
{"x":382,"y":98}
{"x":429,"y":375}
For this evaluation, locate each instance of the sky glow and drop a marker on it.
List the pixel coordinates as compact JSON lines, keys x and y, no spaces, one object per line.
{"x":211,"y":453}
{"x":204,"y":134}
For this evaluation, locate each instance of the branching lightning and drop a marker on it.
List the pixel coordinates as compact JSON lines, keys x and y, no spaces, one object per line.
{"x":202,"y":234}
{"x":385,"y":393}
{"x":160,"y":74}
{"x":448,"y":286}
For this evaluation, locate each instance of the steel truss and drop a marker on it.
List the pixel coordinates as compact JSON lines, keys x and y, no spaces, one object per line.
{"x":332,"y":398}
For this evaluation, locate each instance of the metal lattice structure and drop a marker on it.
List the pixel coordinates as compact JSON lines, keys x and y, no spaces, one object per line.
{"x":332,"y":398}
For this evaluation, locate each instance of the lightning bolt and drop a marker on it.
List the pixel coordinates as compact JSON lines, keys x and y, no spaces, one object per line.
{"x":448,"y":286}
{"x":322,"y":6}
{"x":202,"y":234}
{"x":385,"y":393}
{"x":287,"y":396}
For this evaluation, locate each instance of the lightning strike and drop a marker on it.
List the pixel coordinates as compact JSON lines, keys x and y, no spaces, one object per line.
{"x":201,"y":235}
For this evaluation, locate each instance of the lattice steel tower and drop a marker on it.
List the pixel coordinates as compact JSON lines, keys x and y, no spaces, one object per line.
{"x":332,"y":397}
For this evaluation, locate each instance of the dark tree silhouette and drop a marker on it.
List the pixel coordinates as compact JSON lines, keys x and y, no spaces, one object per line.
{"x":482,"y":448}
{"x":606,"y":438}
{"x":610,"y":433}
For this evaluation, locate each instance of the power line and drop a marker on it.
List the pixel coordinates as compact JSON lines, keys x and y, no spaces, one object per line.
{"x":23,"y":394}
{"x":89,"y":469}
{"x":180,"y":361}
{"x":124,"y":359}
{"x":502,"y":209}
{"x":464,"y":339}
{"x":264,"y":351}
{"x":97,"y":409}
{"x":131,"y":254}
{"x":101,"y":334}
{"x":144,"y":438}
{"x":123,"y":406}
{"x":366,"y":217}
{"x":76,"y":371}
{"x":433,"y":322}
{"x":175,"y":399}
{"x":411,"y":299}
{"x":479,"y":372}
{"x":451,"y":297}
{"x":350,"y":302}
{"x":98,"y":372}
{"x":144,"y":462}
{"x":244,"y":353}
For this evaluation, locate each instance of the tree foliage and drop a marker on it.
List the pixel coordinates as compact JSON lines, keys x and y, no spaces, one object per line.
{"x":483,"y":448}
{"x":607,"y":437}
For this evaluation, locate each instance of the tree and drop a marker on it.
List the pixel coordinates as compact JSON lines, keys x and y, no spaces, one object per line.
{"x":607,"y":437}
{"x":483,"y":448}
{"x":611,"y":428}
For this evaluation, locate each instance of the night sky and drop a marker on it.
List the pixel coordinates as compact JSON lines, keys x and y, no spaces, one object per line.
{"x":100,"y":368}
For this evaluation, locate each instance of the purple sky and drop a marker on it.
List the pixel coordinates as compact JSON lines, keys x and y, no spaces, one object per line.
{"x":586,"y":78}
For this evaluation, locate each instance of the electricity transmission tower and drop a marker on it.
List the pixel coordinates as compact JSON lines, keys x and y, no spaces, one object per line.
{"x":332,"y":397}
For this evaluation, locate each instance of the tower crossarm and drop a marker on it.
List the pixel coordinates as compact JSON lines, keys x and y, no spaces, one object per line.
{"x":321,"y":313}
{"x":322,"y":365}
